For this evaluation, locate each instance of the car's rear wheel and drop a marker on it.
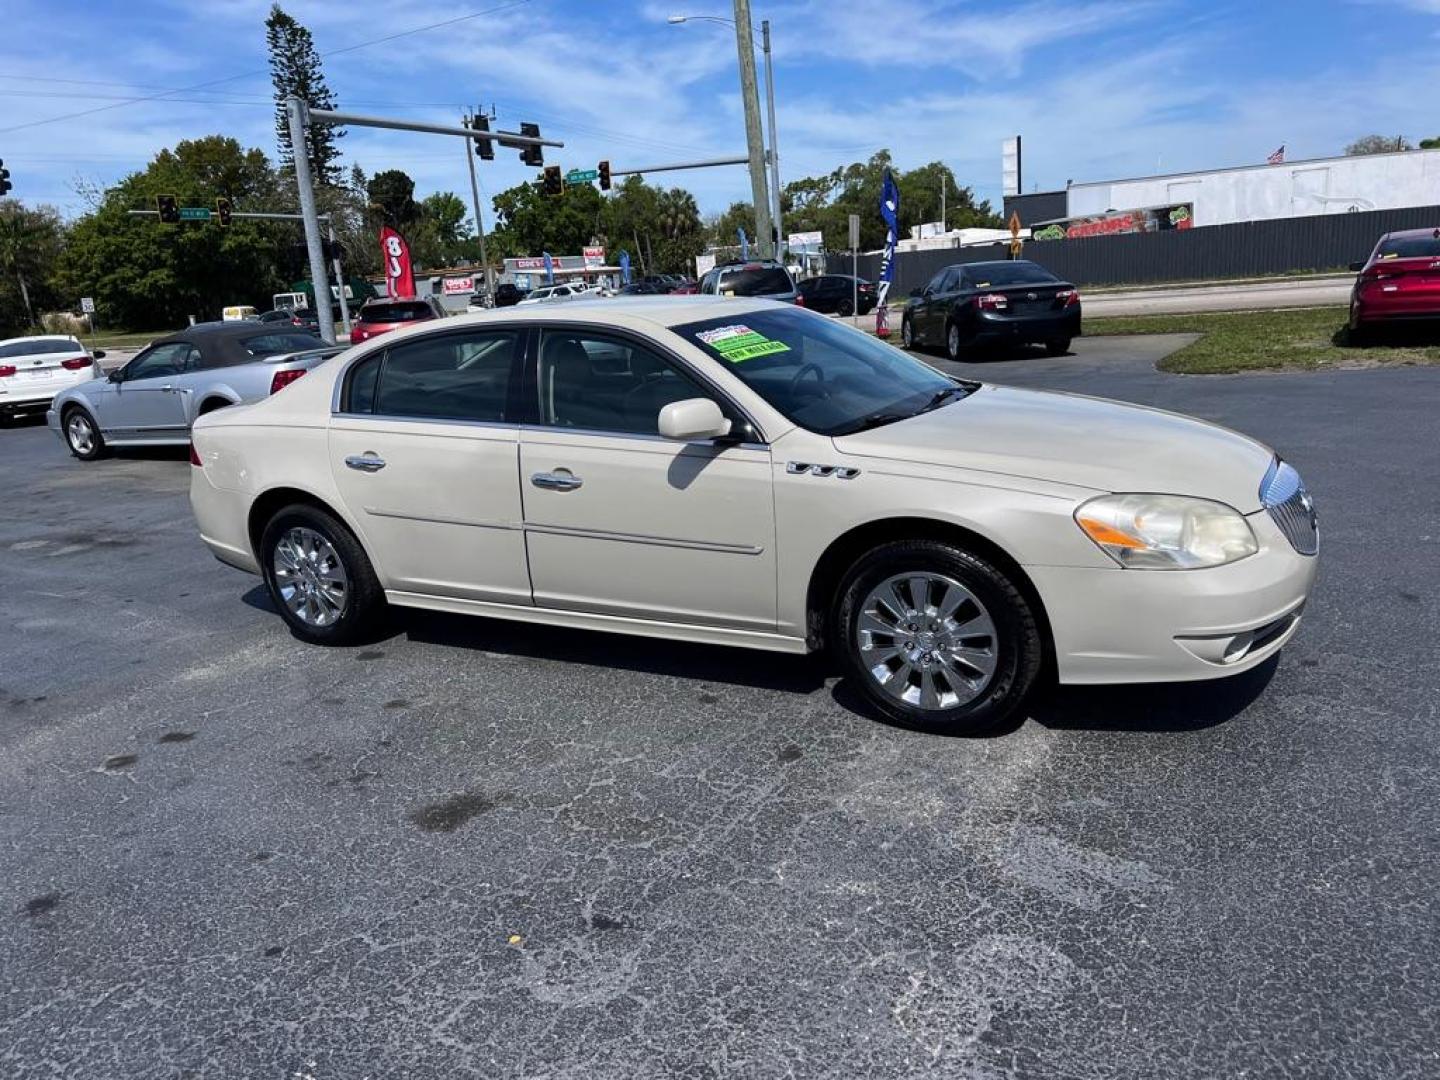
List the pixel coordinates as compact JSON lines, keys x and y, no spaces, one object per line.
{"x":1058,"y":347}
{"x":936,"y":638}
{"x":319,"y":577}
{"x":82,"y":434}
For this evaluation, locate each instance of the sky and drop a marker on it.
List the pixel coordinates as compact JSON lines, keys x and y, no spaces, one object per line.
{"x":1099,"y":89}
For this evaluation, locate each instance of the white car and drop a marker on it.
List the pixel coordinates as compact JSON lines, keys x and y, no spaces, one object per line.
{"x":548,"y":294}
{"x":34,"y":369}
{"x":742,"y":472}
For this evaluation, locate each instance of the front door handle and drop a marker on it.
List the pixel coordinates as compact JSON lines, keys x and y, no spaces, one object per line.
{"x":559,"y":480}
{"x":367,"y":462}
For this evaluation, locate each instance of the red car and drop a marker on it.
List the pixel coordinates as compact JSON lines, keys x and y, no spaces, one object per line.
{"x":1399,"y":283}
{"x":381,"y":316}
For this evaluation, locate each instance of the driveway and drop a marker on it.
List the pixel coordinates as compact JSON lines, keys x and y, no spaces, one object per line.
{"x":476,"y":849}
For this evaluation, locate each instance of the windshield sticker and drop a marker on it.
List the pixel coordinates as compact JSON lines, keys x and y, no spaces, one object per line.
{"x":737,"y":343}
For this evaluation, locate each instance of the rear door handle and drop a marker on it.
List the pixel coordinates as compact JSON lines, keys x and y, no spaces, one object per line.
{"x":559,"y":480}
{"x":370,"y":463}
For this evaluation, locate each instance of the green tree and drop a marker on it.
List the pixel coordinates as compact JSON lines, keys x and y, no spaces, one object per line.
{"x":295,"y":70}
{"x":530,"y":223}
{"x":1378,"y":144}
{"x":392,"y":199}
{"x":441,"y":234}
{"x":146,"y":275}
{"x":1430,"y":144}
{"x":30,"y":244}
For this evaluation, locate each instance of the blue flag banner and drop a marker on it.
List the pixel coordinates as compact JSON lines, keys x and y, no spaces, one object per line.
{"x":744,"y":245}
{"x":624,"y":267}
{"x":890,"y":211}
{"x":549,"y":269}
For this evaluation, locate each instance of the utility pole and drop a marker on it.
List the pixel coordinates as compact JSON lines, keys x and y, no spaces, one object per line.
{"x":774,"y":138}
{"x":480,"y":224}
{"x":754,"y":139}
{"x":297,"y":111}
{"x":944,"y":186}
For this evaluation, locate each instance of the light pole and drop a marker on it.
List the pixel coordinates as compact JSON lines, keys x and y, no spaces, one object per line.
{"x":749,"y":96}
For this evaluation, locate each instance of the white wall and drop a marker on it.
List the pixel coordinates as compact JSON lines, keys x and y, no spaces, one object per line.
{"x":1296,"y":189}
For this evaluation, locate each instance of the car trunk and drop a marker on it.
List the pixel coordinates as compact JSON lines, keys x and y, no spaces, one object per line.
{"x":1032,"y":299}
{"x":35,"y":374}
{"x":1403,"y":286}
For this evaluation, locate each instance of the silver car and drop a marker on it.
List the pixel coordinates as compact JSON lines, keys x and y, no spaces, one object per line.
{"x":153,"y":399}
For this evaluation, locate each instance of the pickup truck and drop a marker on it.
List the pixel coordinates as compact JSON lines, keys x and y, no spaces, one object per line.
{"x":153,"y":399}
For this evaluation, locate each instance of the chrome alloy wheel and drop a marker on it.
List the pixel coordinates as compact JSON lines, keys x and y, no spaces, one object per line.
{"x":80,"y":432}
{"x":310,"y":577}
{"x":926,"y":641}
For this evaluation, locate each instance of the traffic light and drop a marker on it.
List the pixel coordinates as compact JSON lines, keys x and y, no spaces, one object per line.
{"x":169,"y":208}
{"x":484,"y":148}
{"x":222,"y":212}
{"x":554,"y":185}
{"x":604,"y":176}
{"x":333,"y":250}
{"x":532,"y":155}
{"x":5,"y":184}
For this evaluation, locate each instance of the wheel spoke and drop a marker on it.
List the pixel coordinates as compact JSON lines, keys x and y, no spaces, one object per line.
{"x":929,"y":691}
{"x":898,"y":684}
{"x":920,"y":594}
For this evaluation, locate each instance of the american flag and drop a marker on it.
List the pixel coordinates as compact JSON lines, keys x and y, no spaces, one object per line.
{"x":1278,"y":157}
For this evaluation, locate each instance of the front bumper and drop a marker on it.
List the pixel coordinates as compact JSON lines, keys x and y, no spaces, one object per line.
{"x":1121,"y":626}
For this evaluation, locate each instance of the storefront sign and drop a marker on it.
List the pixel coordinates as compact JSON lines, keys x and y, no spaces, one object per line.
{"x":458,"y":286}
{"x":1147,"y":220}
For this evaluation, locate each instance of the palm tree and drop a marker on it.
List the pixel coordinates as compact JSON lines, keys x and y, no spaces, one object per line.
{"x":679,"y":213}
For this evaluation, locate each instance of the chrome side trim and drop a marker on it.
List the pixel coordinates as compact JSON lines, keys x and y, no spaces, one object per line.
{"x":438,"y":421}
{"x":638,"y":538}
{"x":505,"y":526}
{"x":634,"y":436}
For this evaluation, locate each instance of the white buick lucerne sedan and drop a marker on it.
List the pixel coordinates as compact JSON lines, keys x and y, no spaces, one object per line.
{"x":750,"y":473}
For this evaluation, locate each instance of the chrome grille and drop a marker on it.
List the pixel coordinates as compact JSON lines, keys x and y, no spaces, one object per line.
{"x":1284,"y":496}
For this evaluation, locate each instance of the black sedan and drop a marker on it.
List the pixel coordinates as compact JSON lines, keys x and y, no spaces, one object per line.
{"x":838,"y":294}
{"x":992,"y":303}
{"x":508,"y":294}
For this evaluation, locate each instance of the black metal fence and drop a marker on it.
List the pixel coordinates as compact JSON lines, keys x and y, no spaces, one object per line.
{"x":1210,"y":253}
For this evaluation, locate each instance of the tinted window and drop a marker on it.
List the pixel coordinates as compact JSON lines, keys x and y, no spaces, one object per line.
{"x":400,"y":311}
{"x":40,"y":346}
{"x":364,"y":378}
{"x":280,"y":341}
{"x":449,"y":377}
{"x":607,"y":384}
{"x":820,"y":373}
{"x":937,"y":281}
{"x":1410,"y":247}
{"x":755,"y":281}
{"x":1000,"y":274}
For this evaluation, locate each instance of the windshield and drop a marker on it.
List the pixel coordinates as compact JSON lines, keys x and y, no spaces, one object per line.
{"x":819,"y":373}
{"x":387,"y":313}
{"x":755,"y":281}
{"x":985,"y":275}
{"x":281,"y":341}
{"x":1410,"y":247}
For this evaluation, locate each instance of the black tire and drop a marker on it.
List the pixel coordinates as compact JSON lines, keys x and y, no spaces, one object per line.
{"x":845,"y":309}
{"x":72,"y":421}
{"x":1059,"y":347}
{"x":1016,"y":642}
{"x":363,"y":608}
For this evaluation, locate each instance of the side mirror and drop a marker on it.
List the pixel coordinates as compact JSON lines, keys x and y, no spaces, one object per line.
{"x":692,"y":419}
{"x":116,"y":375}
{"x":98,"y":354}
{"x":1356,"y":267}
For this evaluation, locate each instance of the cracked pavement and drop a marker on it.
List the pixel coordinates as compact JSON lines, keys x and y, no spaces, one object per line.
{"x":476,"y":849}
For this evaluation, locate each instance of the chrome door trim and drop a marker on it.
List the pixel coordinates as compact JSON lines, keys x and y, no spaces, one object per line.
{"x":640,"y":538}
{"x":635,"y":436}
{"x":504,"y":526}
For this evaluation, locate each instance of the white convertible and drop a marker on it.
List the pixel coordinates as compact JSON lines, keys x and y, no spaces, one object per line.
{"x":750,"y":473}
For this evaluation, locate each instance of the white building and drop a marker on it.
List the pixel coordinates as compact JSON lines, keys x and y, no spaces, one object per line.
{"x":1259,"y":192}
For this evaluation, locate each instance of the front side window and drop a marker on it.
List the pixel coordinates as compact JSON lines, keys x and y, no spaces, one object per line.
{"x":599,"y":383}
{"x":169,"y":359}
{"x":821,"y":374}
{"x":937,"y":282}
{"x":445,"y":377}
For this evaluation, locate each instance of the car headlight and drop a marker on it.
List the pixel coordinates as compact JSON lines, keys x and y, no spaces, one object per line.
{"x":1166,"y":532}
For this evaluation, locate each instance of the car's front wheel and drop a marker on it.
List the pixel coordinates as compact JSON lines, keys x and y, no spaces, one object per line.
{"x":319,"y":577}
{"x":82,"y":434}
{"x":907,"y":332}
{"x":936,"y":638}
{"x":954,"y":344}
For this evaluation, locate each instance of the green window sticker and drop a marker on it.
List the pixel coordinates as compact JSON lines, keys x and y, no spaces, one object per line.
{"x":738,"y":343}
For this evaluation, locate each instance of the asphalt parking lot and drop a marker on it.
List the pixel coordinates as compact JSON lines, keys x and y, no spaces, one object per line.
{"x":476,"y":849}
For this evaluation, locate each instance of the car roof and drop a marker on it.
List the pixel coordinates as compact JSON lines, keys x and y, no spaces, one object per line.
{"x":640,"y":311}
{"x":1412,"y":234}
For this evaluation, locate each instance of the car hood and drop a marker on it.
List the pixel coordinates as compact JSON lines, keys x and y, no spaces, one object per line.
{"x":1080,"y":441}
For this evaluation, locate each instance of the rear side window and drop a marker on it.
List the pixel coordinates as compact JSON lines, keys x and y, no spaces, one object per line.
{"x":40,"y":347}
{"x":399,"y":312}
{"x":449,"y":377}
{"x":274,"y":344}
{"x":756,"y":281}
{"x":1410,"y":247}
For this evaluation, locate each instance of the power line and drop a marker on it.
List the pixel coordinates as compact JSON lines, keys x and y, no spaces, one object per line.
{"x":165,"y":94}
